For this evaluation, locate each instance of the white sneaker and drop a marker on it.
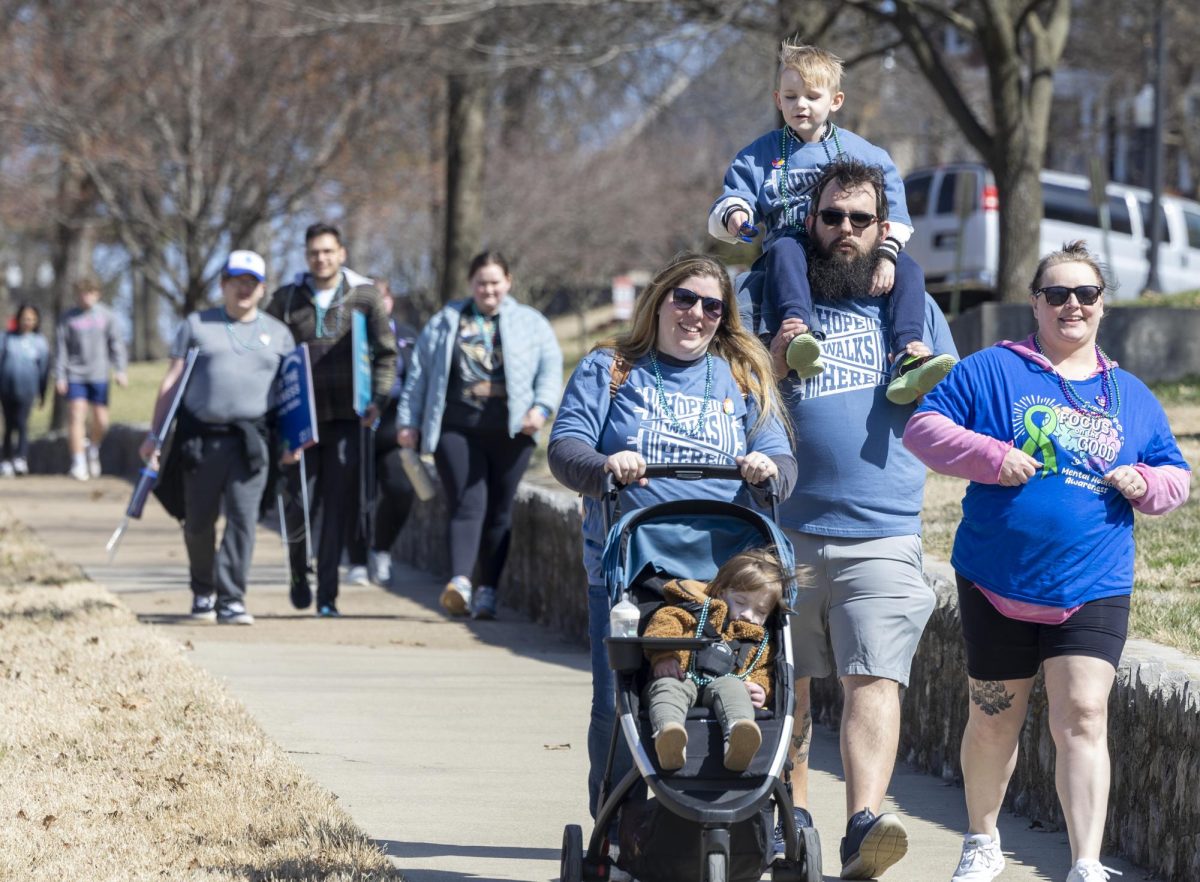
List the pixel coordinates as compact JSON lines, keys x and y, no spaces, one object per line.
{"x":20,"y":466}
{"x":456,"y":596}
{"x":93,"y":461}
{"x":79,"y":470}
{"x":7,"y":470}
{"x":379,"y":567}
{"x":1090,"y":871}
{"x":981,"y":861}
{"x":357,"y":575}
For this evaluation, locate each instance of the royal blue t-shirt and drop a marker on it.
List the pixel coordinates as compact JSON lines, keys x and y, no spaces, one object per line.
{"x":856,"y":479}
{"x":637,"y":420}
{"x":1065,"y":537}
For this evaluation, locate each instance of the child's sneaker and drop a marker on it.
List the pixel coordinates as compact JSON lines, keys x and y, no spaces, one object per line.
{"x":981,"y":861}
{"x":93,"y":461}
{"x":741,"y":745}
{"x":1091,"y":871}
{"x":671,"y":746}
{"x":916,"y":375}
{"x":204,"y":607}
{"x":234,"y":612}
{"x":804,"y":356}
{"x":20,"y":466}
{"x":872,"y":844}
{"x":456,"y":596}
{"x":7,"y":470}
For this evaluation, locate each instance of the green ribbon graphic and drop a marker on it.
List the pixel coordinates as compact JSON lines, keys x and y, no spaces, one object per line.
{"x":1039,"y":437}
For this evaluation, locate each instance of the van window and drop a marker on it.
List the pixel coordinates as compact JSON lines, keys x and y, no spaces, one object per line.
{"x":916,"y":194}
{"x":1118,"y":212}
{"x":1162,"y":219}
{"x":1191,"y":219}
{"x":1070,"y":205}
{"x":945,"y":200}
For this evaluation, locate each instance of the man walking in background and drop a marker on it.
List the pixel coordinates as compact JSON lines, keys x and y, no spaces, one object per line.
{"x":318,"y":308}
{"x":89,"y":347}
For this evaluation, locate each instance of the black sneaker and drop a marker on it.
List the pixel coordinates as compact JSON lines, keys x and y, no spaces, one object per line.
{"x":803,"y":820}
{"x":300,"y":591}
{"x":328,"y":611}
{"x":872,"y":844}
{"x":204,"y":607}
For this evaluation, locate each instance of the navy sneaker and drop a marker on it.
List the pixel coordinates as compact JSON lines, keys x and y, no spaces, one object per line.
{"x":872,"y":844}
{"x":328,"y":611}
{"x":803,"y":820}
{"x":301,"y":591}
{"x":233,"y":612}
{"x":204,"y":607}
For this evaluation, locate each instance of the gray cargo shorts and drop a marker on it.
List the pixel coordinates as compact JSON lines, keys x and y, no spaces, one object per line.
{"x":866,"y":610}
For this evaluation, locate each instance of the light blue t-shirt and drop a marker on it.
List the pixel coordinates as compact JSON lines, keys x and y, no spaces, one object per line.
{"x":1065,"y":537}
{"x":856,"y":477}
{"x":637,"y":420}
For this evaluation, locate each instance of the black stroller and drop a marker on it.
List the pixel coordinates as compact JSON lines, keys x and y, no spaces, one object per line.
{"x":701,"y":822}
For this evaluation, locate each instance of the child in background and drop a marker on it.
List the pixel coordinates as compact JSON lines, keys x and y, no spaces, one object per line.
{"x":769,"y":183}
{"x":733,"y":676}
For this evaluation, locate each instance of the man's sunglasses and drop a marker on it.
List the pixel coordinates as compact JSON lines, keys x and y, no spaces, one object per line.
{"x":833,"y":217}
{"x":1057,"y":295}
{"x":714,"y":307}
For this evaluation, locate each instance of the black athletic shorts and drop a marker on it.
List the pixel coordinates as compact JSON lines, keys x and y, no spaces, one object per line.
{"x":1000,"y":648}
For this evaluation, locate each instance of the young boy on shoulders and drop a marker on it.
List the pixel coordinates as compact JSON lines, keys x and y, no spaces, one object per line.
{"x":769,"y":184}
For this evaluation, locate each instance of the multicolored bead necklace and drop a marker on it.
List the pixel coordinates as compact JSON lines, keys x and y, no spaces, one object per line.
{"x":698,"y":429}
{"x":700,"y":679}
{"x":785,"y":153}
{"x":1110,"y":392}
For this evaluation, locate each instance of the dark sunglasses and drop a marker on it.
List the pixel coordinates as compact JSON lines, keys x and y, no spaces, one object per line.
{"x":683,"y":299}
{"x":1057,"y":295}
{"x":833,"y":217}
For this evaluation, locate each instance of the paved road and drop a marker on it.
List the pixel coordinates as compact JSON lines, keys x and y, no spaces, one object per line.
{"x":459,"y":746}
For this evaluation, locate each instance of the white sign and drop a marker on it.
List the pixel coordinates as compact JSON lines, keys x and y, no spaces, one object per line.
{"x":623,"y":292}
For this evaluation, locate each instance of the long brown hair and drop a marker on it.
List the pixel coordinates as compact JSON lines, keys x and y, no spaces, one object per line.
{"x":748,"y":359}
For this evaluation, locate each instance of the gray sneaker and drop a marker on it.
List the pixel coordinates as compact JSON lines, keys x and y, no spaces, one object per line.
{"x":234,"y":613}
{"x":204,"y":607}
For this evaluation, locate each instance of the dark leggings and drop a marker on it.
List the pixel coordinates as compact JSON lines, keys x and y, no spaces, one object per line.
{"x":16,"y":422}
{"x":480,"y":473}
{"x":787,"y":281}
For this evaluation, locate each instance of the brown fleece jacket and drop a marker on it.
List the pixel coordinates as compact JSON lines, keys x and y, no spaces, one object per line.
{"x":674,"y":621}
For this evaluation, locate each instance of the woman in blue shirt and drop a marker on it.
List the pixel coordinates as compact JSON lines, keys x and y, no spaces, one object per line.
{"x":24,"y":370}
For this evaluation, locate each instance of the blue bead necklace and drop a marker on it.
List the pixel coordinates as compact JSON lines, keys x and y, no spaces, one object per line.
{"x":1110,"y":392}
{"x":258,"y":337}
{"x":335,"y":303}
{"x":790,"y":200}
{"x":700,"y":679}
{"x":698,"y":429}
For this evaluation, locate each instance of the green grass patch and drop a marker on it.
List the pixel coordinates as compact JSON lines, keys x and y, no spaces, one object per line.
{"x":1182,"y":300}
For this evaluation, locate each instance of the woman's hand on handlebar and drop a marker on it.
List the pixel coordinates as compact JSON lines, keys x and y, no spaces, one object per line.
{"x":757,"y":467}
{"x":626,"y":466}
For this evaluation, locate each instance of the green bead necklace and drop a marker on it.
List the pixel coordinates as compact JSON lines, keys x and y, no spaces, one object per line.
{"x":698,"y":429}
{"x":700,"y":679}
{"x":790,"y":200}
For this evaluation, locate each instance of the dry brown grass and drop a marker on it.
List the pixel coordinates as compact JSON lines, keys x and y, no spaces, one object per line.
{"x":122,"y":761}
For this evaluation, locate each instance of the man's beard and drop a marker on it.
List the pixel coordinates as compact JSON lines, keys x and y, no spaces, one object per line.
{"x":833,"y":276}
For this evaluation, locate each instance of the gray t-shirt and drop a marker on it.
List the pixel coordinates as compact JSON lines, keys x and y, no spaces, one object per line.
{"x":237,"y":365}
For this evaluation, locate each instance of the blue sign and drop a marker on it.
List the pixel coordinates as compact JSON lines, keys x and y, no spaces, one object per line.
{"x":296,"y":408}
{"x":360,"y":349}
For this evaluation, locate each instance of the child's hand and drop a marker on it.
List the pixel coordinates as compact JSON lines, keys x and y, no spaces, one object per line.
{"x":668,"y":667}
{"x":883,"y":278}
{"x":758,"y":695}
{"x":735,"y":221}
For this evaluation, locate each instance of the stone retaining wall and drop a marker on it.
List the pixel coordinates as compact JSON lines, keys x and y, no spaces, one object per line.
{"x":1154,"y":816}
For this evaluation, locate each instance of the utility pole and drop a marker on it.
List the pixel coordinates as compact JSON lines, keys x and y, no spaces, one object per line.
{"x":1158,"y":151}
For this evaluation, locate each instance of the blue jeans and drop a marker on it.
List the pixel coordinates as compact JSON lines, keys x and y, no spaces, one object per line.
{"x":603,"y":702}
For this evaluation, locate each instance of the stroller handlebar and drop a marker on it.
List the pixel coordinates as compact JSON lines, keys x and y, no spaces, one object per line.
{"x":690,"y":472}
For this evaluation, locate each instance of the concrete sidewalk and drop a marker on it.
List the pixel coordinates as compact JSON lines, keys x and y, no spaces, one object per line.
{"x":459,"y":746}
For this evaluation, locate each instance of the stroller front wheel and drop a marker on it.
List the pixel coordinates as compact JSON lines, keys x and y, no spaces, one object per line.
{"x":717,"y":868}
{"x":571,"y":868}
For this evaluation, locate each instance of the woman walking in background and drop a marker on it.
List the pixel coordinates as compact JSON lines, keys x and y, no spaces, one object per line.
{"x":24,"y":371}
{"x":1061,"y":447}
{"x":485,"y":375}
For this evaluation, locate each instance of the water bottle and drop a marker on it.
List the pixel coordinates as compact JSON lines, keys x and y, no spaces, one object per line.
{"x":623,"y":620}
{"x":417,"y":476}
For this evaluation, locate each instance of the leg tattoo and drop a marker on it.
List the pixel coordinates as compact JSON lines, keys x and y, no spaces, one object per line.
{"x":991,"y":696}
{"x":802,"y":737}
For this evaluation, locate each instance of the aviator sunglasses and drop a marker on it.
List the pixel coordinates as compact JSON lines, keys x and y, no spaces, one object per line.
{"x":1057,"y":295}
{"x":833,"y":217}
{"x":684,"y":299}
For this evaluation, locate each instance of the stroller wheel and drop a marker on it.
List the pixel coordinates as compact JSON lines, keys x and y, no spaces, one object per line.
{"x":718,"y":870}
{"x":812,"y":854}
{"x":571,"y":868}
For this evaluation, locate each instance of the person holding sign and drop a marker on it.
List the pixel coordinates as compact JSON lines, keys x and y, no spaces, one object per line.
{"x":221,"y":433}
{"x":486,"y":373}
{"x":319,"y":308}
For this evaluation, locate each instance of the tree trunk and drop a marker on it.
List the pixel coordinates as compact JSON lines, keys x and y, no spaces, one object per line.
{"x":465,"y":124}
{"x":74,"y":241}
{"x":1020,"y":190}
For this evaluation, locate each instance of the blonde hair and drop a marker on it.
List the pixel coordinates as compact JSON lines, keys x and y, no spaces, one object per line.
{"x":1071,"y":252}
{"x":817,"y":66}
{"x":749,"y":361}
{"x":756,"y":571}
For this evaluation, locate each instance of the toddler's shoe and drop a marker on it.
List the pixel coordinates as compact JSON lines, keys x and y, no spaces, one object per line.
{"x":872,"y":844}
{"x":456,"y":596}
{"x":671,"y":746}
{"x":981,"y":861}
{"x":741,"y":745}
{"x":916,"y":375}
{"x":804,"y":356}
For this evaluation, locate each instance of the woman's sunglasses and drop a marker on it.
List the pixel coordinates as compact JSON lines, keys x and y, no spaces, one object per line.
{"x":683,"y":299}
{"x":833,"y":217}
{"x":1057,"y":295}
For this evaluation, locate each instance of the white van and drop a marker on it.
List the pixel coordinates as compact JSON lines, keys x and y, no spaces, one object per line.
{"x":1069,"y":215}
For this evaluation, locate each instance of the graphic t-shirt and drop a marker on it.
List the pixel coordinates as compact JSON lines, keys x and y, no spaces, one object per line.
{"x":856,"y":477}
{"x":1065,"y":537}
{"x":475,"y":393}
{"x":660,"y":427}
